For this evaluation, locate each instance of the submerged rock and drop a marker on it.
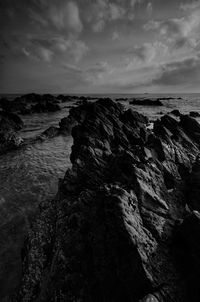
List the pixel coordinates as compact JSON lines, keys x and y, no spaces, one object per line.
{"x":109,"y":233}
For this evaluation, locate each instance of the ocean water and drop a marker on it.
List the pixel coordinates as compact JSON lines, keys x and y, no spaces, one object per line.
{"x":30,"y":175}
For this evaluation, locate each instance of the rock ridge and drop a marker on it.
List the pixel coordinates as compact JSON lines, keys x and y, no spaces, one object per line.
{"x":117,"y":229}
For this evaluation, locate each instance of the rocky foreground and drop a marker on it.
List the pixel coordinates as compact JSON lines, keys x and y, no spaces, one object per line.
{"x":125,"y":224}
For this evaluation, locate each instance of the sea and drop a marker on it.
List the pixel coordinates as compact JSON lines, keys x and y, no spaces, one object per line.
{"x":30,"y":175}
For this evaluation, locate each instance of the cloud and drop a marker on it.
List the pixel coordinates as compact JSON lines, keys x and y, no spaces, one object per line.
{"x":185,"y":72}
{"x":100,"y":12}
{"x":116,"y":11}
{"x":133,"y":3}
{"x":149,"y":8}
{"x":94,"y":74}
{"x":66,"y":16}
{"x":98,"y":71}
{"x":45,"y":48}
{"x":146,"y":52}
{"x":98,"y":26}
{"x":115,"y":36}
{"x":179,"y":32}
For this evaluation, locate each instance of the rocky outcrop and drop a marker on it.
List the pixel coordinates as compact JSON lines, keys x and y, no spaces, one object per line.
{"x":9,"y":125}
{"x":194,"y":114}
{"x":175,"y":112}
{"x":31,"y":103}
{"x":120,"y":220}
{"x":146,"y":102}
{"x":65,"y":128}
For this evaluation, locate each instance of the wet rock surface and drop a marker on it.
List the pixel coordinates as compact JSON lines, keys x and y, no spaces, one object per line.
{"x":123,"y":216}
{"x":10,"y":124}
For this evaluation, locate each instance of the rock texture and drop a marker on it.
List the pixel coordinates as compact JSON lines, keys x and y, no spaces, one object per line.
{"x":124,"y":226}
{"x":9,"y":125}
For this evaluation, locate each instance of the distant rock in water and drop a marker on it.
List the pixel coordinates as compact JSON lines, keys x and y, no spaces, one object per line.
{"x":31,"y":103}
{"x":120,"y":227}
{"x":169,"y":98}
{"x":146,"y":102}
{"x":194,"y":114}
{"x":10,"y":123}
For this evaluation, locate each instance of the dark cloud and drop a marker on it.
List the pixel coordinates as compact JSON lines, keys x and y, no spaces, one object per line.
{"x":185,"y":72}
{"x":182,"y":31}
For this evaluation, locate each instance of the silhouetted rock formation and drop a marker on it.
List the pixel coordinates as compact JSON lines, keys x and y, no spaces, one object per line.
{"x":31,"y":103}
{"x":120,"y":220}
{"x":194,"y":114}
{"x":10,"y":123}
{"x":175,"y":112}
{"x":146,"y":102}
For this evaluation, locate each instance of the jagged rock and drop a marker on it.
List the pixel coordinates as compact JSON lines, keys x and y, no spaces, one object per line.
{"x":31,"y":103}
{"x":10,"y":123}
{"x":175,"y":112}
{"x":66,"y":124}
{"x":191,"y":126}
{"x":108,"y":234}
{"x":64,"y":98}
{"x":50,"y":132}
{"x":194,"y":114}
{"x":194,"y":186}
{"x":45,"y":106}
{"x":146,"y":102}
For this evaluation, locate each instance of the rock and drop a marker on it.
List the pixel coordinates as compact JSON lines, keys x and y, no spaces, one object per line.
{"x":66,"y":124}
{"x":121,"y":99}
{"x":50,"y":132}
{"x":64,"y":98}
{"x":31,"y":103}
{"x":146,"y":102}
{"x":175,"y":112}
{"x":194,"y":114}
{"x":193,"y":195}
{"x":10,"y":123}
{"x":191,"y":126}
{"x":45,"y":106}
{"x":109,"y":233}
{"x":187,"y":249}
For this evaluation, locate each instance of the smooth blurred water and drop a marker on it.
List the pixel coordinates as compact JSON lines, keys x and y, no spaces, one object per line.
{"x":27,"y":177}
{"x":30,"y":175}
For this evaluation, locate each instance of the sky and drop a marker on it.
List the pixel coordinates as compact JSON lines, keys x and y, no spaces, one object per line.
{"x":99,"y":46}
